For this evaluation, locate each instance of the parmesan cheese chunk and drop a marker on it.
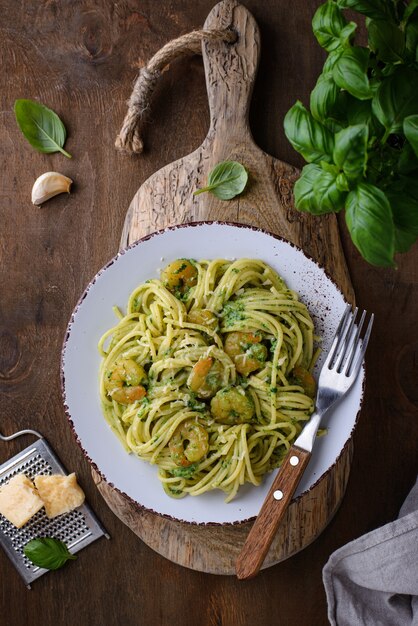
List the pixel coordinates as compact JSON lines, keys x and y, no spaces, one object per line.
{"x":19,"y":500}
{"x":60,"y":494}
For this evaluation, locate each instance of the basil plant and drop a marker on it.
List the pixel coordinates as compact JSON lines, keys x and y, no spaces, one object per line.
{"x":360,"y":136}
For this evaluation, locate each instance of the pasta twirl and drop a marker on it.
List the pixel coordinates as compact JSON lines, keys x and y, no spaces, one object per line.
{"x":208,"y":374}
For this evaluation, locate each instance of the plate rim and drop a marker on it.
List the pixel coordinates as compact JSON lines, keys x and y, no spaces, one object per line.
{"x":71,"y":321}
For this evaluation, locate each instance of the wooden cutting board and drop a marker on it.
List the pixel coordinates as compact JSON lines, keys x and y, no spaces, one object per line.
{"x":165,"y":199}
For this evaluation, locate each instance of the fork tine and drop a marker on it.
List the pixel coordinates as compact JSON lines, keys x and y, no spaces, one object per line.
{"x":347,"y":343}
{"x":354,"y":367}
{"x":355,"y":344}
{"x":338,"y":337}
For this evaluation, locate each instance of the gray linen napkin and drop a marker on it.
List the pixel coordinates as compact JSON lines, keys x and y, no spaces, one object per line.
{"x":373,"y":581}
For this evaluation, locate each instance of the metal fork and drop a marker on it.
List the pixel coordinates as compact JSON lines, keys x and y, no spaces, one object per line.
{"x":337,"y":375}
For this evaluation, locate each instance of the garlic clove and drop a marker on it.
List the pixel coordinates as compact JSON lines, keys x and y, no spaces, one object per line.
{"x":49,"y":185}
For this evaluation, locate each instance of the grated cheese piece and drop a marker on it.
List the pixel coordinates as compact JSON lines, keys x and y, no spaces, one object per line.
{"x":60,"y":494}
{"x":19,"y":500}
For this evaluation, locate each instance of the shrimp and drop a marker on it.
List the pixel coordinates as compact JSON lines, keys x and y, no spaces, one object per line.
{"x":302,"y":377}
{"x":232,"y":406}
{"x":189,"y":443}
{"x":204,"y":317}
{"x":179,"y":276}
{"x":246,"y":351}
{"x":205,"y":377}
{"x":123,"y":383}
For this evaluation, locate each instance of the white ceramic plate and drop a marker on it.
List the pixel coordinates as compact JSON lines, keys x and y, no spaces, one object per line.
{"x":93,"y":316}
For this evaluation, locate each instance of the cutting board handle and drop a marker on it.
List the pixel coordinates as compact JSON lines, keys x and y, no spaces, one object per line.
{"x":230,"y":48}
{"x":231,"y":69}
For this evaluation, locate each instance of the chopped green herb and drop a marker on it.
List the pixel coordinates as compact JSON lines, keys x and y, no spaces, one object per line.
{"x":184,"y":472}
{"x":180,"y":269}
{"x":257,"y":351}
{"x":232,"y":312}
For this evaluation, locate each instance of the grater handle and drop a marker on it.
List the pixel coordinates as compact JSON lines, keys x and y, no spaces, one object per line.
{"x":27,"y":431}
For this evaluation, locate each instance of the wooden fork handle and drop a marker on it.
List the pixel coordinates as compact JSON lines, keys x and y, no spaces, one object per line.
{"x":272,"y":512}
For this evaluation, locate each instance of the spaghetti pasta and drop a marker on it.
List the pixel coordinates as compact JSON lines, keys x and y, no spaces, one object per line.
{"x":208,"y":373}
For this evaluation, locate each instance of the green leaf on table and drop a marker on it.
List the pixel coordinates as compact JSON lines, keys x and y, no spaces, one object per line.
{"x":386,"y":40}
{"x":47,"y":552}
{"x":308,"y":136}
{"x":350,"y":72}
{"x":410,"y":129}
{"x":396,"y":98}
{"x":327,"y":25}
{"x":370,"y":224}
{"x":41,"y":126}
{"x":350,"y":151}
{"x":376,"y":9}
{"x":227,"y":180}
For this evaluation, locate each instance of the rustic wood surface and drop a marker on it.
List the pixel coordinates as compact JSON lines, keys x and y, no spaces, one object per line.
{"x":167,"y":198}
{"x":81,"y":59}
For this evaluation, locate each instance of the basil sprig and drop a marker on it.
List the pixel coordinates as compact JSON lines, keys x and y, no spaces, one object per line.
{"x":227,"y":180}
{"x":48,"y":553}
{"x":360,"y":135}
{"x":41,"y":126}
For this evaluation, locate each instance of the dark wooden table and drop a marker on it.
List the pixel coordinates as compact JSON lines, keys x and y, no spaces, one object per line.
{"x":80,"y":58}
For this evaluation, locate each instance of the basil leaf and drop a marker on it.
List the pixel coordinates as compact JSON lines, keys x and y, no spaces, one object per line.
{"x":327,"y":24}
{"x":411,"y":36}
{"x":350,"y":151}
{"x":359,"y":111}
{"x":323,"y":97}
{"x":331,"y":60}
{"x":396,"y":98}
{"x":330,"y":168}
{"x":410,"y":129}
{"x":403,"y":239}
{"x":370,"y":223}
{"x":327,"y":196}
{"x":303,"y":189}
{"x":227,"y":180}
{"x":376,"y":9}
{"x":403,"y":198}
{"x":347,"y":34}
{"x":386,"y":40}
{"x":47,"y":552}
{"x":41,"y":126}
{"x":350,"y":72}
{"x":310,"y":138}
{"x":408,"y":161}
{"x":342,"y":182}
{"x":410,"y":9}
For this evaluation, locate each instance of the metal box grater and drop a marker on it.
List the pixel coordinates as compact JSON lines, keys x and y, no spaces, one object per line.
{"x":76,"y":529}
